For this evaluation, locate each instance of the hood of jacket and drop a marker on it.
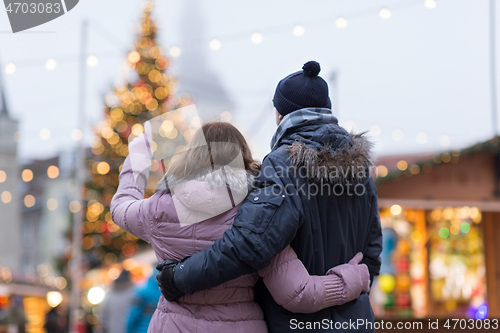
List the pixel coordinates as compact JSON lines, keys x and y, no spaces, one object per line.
{"x":327,"y":152}
{"x":211,"y":193}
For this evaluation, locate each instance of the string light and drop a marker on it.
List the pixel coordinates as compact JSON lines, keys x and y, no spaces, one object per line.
{"x":10,"y":68}
{"x":52,"y":172}
{"x":341,"y":23}
{"x":256,"y":38}
{"x":76,"y":134}
{"x":92,"y":61}
{"x":402,"y":165}
{"x":51,"y":64}
{"x":397,"y":135}
{"x":174,"y":51}
{"x":382,"y":171}
{"x":75,"y":206}
{"x":444,"y":141}
{"x":6,"y":197}
{"x":215,"y":44}
{"x":349,"y":125}
{"x":52,"y":204}
{"x":299,"y":30}
{"x":396,"y":209}
{"x":375,"y":130}
{"x":134,"y":57}
{"x":385,"y":14}
{"x":45,"y":134}
{"x":421,"y":138}
{"x":430,"y":4}
{"x":29,"y":201}
{"x":27,"y":175}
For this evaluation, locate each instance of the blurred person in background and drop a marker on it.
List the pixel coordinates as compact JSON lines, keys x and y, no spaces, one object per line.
{"x":55,"y":322}
{"x":16,"y":318}
{"x":3,"y":321}
{"x":116,"y":304}
{"x":143,"y":305}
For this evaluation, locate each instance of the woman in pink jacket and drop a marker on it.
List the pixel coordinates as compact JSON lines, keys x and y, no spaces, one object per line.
{"x":205,"y":189}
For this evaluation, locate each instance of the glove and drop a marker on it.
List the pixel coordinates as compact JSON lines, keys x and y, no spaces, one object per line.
{"x":140,"y":155}
{"x":355,"y":276}
{"x":165,"y":278}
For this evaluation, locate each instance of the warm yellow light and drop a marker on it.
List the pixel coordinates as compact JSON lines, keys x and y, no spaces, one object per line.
{"x":54,"y":298}
{"x":299,"y":30}
{"x":215,"y":44}
{"x":103,"y":168}
{"x":448,"y":213}
{"x":52,"y":204}
{"x":415,"y":169}
{"x":51,"y":64}
{"x":76,"y":134}
{"x":396,"y":209}
{"x":29,"y":200}
{"x":6,"y":197}
{"x":137,"y":129}
{"x":341,"y":23}
{"x":402,"y":165}
{"x":113,"y":273}
{"x":60,"y":282}
{"x":27,"y":175}
{"x":52,"y":172}
{"x":382,"y":171}
{"x":385,"y":14}
{"x":74,"y":206}
{"x":257,"y":38}
{"x":134,"y":57}
{"x":455,"y":229}
{"x":45,"y":134}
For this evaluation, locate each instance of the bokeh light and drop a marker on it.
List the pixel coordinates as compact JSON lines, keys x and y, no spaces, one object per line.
{"x":92,"y":61}
{"x":341,"y":23}
{"x":6,"y":197}
{"x":385,"y":14}
{"x":215,"y":44}
{"x":27,"y":175}
{"x":29,"y":201}
{"x":51,"y":64}
{"x":299,"y":30}
{"x":52,"y":172}
{"x":257,"y":38}
{"x":10,"y":68}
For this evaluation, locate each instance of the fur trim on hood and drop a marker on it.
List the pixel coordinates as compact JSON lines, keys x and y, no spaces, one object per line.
{"x":343,"y":164}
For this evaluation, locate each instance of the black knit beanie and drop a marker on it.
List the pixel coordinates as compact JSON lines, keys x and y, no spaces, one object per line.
{"x":302,"y":89}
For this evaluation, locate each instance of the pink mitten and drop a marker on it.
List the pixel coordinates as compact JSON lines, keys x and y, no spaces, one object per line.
{"x":355,"y":277}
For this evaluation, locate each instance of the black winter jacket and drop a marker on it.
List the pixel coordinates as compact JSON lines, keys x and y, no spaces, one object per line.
{"x":315,"y":193}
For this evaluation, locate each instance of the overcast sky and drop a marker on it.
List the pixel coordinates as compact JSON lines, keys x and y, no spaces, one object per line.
{"x":422,"y":70}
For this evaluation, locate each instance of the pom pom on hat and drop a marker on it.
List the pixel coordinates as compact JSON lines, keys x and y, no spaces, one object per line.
{"x":311,"y":68}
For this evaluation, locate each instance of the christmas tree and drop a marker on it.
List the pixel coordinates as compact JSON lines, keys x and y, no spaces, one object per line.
{"x":151,"y":92}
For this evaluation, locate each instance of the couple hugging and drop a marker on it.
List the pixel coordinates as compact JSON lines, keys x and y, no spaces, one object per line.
{"x":288,"y":245}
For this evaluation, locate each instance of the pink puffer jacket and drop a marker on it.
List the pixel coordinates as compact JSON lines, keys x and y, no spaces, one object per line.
{"x":188,"y":219}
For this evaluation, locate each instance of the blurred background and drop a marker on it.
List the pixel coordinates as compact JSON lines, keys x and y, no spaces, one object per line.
{"x":418,"y":75}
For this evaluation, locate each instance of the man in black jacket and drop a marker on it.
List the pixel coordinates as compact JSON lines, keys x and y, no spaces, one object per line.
{"x":314,"y":192}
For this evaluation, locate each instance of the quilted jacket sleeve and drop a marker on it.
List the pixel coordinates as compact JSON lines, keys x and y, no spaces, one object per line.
{"x":292,"y":287}
{"x":128,"y":208}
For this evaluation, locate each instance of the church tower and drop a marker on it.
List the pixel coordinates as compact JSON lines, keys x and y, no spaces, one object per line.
{"x":10,"y":221}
